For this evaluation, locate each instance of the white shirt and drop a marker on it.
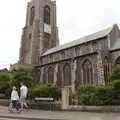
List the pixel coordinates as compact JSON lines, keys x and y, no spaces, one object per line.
{"x":14,"y":95}
{"x":23,"y":91}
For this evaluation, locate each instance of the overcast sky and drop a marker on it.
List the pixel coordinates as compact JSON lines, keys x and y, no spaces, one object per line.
{"x":75,"y":18}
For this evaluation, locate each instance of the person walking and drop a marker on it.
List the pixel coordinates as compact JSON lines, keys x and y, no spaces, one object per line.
{"x":23,"y":95}
{"x":14,"y":98}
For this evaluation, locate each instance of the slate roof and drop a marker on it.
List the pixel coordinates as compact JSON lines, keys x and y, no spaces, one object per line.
{"x":94,"y":36}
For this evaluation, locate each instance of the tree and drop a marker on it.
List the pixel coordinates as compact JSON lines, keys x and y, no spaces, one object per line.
{"x":20,"y":74}
{"x":5,"y":83}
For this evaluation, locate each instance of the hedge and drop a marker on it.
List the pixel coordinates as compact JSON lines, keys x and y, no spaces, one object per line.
{"x":45,"y":90}
{"x":99,"y":95}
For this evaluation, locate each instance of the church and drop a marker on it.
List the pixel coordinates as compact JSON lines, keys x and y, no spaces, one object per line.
{"x":87,"y":60}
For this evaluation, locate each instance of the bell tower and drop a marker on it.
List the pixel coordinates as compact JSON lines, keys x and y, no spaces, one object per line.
{"x":40,"y":32}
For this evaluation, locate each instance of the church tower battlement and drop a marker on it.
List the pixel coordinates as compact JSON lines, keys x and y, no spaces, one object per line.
{"x":40,"y":32}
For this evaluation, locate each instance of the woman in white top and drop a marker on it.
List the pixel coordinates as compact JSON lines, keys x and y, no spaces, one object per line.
{"x":14,"y":97}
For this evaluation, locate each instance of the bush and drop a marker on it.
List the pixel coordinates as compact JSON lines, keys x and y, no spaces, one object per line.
{"x":86,"y":88}
{"x":45,"y":90}
{"x":85,"y":93}
{"x":98,"y":95}
{"x":116,"y":85}
{"x":103,"y":95}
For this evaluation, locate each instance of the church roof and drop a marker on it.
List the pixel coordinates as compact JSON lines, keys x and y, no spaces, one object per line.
{"x":85,"y":39}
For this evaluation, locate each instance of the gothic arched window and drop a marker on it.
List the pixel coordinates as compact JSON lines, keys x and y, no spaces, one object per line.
{"x":50,"y":75}
{"x":32,"y":15}
{"x":44,"y":75}
{"x":37,"y":74}
{"x":47,"y":14}
{"x":67,"y":75}
{"x":59,"y":77}
{"x":106,"y":69}
{"x":78,"y":74}
{"x":87,"y":72}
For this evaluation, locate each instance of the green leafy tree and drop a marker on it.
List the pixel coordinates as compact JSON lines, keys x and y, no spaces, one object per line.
{"x":5,"y":78}
{"x":20,"y":74}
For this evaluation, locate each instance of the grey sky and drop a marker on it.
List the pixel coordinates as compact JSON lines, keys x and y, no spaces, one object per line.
{"x":75,"y":18}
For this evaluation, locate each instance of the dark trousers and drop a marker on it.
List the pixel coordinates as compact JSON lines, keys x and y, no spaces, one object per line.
{"x":15,"y":104}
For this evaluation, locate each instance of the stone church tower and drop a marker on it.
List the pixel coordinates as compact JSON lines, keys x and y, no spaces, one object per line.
{"x":40,"y":32}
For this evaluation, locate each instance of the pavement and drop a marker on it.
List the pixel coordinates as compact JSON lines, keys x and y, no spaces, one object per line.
{"x":10,"y":119}
{"x":56,"y":115}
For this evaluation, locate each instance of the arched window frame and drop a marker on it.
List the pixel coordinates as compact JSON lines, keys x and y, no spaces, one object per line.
{"x":32,"y":15}
{"x":59,"y":77}
{"x":50,"y":75}
{"x":106,"y":70}
{"x":78,"y":80}
{"x":67,"y":75}
{"x":87,"y":72}
{"x":47,"y":14}
{"x":44,"y":75}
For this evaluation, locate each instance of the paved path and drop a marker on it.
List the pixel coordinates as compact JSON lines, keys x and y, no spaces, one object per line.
{"x":58,"y":115}
{"x":10,"y":119}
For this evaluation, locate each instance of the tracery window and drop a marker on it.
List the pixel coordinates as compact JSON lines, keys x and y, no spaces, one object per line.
{"x":59,"y":77}
{"x":44,"y":75}
{"x":47,"y":14}
{"x":32,"y":15}
{"x":46,"y":43}
{"x":50,"y":75}
{"x":37,"y":74}
{"x":29,"y":39}
{"x":78,"y":74}
{"x":87,"y":72}
{"x":106,"y":69}
{"x":30,"y":36}
{"x":67,"y":75}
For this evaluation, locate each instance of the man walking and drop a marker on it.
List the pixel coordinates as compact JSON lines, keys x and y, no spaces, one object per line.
{"x":23,"y":95}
